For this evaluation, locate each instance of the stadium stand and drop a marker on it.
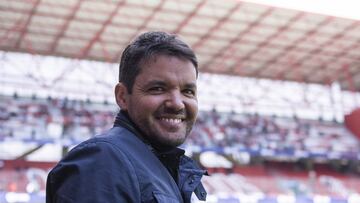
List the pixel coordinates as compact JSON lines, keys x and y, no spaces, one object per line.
{"x":292,"y":139}
{"x":43,"y":119}
{"x":50,"y":119}
{"x":275,"y":135}
{"x":68,"y":119}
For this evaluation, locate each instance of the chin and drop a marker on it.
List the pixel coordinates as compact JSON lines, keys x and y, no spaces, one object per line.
{"x":169,"y":143}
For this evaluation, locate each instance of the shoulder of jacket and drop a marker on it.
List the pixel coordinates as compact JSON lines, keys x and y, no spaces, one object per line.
{"x":118,"y":138}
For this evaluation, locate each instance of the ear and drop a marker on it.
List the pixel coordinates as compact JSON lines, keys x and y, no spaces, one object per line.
{"x":121,"y":94}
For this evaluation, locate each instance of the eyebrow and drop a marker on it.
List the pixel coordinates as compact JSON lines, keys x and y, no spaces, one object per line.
{"x":190,"y":85}
{"x":156,"y":82}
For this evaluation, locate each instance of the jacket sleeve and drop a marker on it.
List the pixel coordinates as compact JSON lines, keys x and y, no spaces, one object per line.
{"x":93,"y":172}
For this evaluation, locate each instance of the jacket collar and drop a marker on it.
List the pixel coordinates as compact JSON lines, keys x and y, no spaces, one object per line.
{"x":188,"y":172}
{"x":122,"y":119}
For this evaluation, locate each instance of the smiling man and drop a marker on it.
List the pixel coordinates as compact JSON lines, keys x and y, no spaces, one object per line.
{"x":138,"y":159}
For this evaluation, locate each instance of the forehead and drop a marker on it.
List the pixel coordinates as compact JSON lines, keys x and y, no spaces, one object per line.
{"x":167,"y":67}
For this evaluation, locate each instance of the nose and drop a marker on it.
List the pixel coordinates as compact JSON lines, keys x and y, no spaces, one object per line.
{"x":175,"y":101}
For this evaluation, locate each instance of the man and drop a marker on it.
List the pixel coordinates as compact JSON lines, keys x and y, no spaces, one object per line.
{"x":138,"y":159}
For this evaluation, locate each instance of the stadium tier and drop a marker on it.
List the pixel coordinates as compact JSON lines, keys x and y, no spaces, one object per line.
{"x":53,"y":120}
{"x":229,"y":145}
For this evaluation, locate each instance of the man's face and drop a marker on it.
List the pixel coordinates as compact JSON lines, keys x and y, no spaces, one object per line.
{"x":163,"y":102}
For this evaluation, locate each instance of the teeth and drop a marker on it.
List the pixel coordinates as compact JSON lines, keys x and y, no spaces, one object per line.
{"x":172,"y":120}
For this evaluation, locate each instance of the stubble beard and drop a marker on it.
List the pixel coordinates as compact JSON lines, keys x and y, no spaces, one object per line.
{"x":158,"y":136}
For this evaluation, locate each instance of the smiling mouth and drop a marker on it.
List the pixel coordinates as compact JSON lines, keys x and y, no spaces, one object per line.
{"x":172,"y":120}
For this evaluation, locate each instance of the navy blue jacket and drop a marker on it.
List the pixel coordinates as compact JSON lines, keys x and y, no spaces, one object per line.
{"x":120,"y":167}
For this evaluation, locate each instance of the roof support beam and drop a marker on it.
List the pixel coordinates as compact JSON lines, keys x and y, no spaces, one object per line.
{"x":100,"y":12}
{"x":85,"y":51}
{"x":66,"y":24}
{"x":293,"y":46}
{"x":335,"y":57}
{"x":143,"y":25}
{"x":189,"y":17}
{"x":272,"y":46}
{"x":265,"y":43}
{"x":7,"y":32}
{"x":64,"y":72}
{"x":238,"y":38}
{"x":343,"y":73}
{"x":29,"y":152}
{"x":349,"y":77}
{"x":328,"y":42}
{"x":148,"y":19}
{"x":27,"y":23}
{"x":217,"y":25}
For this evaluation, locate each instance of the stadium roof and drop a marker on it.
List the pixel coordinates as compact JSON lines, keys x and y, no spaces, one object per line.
{"x":230,"y":37}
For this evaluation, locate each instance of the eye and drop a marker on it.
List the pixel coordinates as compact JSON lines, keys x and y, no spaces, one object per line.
{"x":156,"y":90}
{"x":189,"y":92}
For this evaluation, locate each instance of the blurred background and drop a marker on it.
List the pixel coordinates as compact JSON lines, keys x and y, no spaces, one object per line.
{"x":279,"y":87}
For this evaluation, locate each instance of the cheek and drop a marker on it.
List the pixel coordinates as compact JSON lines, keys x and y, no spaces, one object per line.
{"x":193,"y":108}
{"x":147,"y":105}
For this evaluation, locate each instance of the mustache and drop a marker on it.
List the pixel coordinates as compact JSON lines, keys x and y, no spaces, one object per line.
{"x":166,"y":111}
